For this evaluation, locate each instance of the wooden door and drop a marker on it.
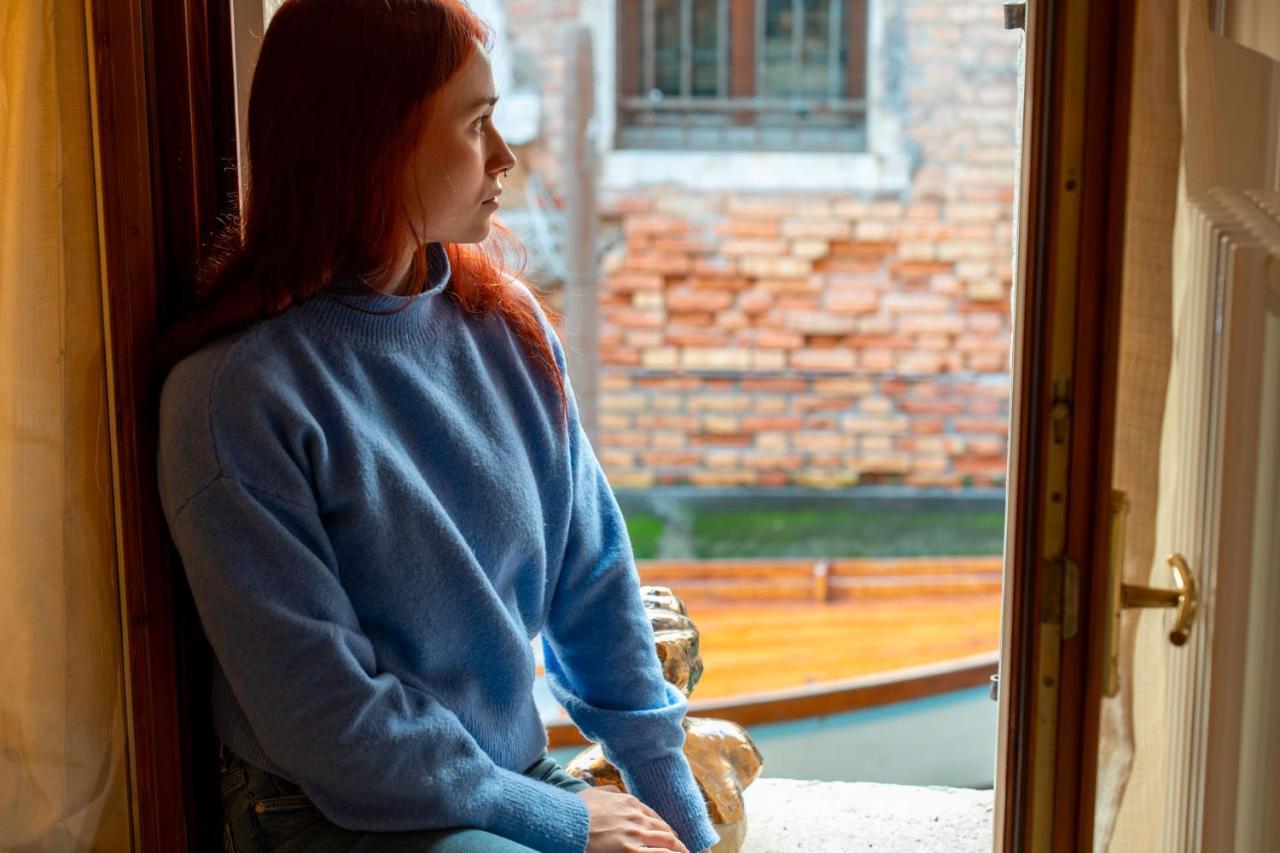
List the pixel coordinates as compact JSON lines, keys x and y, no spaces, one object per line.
{"x":1218,"y":786}
{"x":1208,"y":749}
{"x":1205,"y":766}
{"x":1218,"y":512}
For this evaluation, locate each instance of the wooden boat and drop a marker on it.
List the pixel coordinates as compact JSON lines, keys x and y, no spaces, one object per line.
{"x":790,"y":640}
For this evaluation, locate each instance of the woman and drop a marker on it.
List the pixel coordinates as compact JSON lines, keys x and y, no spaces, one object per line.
{"x":372,"y":465}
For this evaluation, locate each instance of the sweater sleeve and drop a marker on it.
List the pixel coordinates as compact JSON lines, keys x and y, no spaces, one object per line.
{"x":600,"y":657}
{"x":371,"y":751}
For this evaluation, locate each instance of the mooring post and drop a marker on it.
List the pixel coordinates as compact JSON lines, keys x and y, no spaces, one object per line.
{"x":821,"y":581}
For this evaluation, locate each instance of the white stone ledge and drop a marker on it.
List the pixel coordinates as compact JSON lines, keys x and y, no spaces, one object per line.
{"x":792,"y":815}
{"x":758,"y":171}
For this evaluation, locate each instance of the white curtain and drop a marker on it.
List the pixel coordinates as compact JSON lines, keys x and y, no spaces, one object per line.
{"x":63,"y":769}
{"x":1155,"y":151}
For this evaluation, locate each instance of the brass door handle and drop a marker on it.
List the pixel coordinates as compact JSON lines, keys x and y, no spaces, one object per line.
{"x":1183,"y":597}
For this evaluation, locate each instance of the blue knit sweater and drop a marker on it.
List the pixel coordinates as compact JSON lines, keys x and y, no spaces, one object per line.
{"x":378,"y":507}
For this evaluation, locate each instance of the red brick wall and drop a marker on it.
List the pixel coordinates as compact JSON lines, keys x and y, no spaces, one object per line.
{"x":817,"y":338}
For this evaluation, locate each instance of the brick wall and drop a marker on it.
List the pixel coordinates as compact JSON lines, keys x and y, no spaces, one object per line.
{"x":819,"y":338}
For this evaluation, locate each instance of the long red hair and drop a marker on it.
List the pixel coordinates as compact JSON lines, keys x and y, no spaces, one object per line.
{"x":337,"y":105}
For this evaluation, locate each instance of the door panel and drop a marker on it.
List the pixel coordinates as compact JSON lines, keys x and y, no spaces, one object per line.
{"x":1219,"y":510}
{"x":1204,"y":767}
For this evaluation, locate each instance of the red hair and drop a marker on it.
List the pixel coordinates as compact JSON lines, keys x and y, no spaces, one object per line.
{"x":337,"y":106}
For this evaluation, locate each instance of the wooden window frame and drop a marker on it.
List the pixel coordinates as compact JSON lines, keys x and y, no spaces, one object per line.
{"x":1071,"y":248}
{"x":164,"y":124}
{"x":165,"y":146}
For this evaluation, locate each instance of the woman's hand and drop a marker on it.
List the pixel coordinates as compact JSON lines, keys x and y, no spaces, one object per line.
{"x":622,"y":824}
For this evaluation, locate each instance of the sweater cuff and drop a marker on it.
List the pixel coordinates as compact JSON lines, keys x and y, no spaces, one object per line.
{"x":645,"y":733}
{"x":540,"y":815}
{"x":667,"y":786}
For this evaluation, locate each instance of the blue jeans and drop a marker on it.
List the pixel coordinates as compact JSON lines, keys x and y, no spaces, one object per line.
{"x":264,"y":812}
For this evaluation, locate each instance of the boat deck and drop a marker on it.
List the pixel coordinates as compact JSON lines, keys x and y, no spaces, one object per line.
{"x":756,"y":648}
{"x":772,"y":625}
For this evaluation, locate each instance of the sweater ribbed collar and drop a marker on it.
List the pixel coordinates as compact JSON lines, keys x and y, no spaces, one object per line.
{"x":352,"y":311}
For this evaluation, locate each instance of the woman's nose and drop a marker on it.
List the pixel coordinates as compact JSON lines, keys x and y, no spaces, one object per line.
{"x":503,"y":158}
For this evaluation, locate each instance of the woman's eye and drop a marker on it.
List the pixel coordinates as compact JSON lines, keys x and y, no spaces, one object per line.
{"x":478,"y":125}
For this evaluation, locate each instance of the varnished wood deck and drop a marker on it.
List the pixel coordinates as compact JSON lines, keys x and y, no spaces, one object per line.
{"x":753,"y":648}
{"x":769,"y":625}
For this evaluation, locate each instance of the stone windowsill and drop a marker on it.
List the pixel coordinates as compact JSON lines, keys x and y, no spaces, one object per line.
{"x":763,"y":171}
{"x":790,"y":815}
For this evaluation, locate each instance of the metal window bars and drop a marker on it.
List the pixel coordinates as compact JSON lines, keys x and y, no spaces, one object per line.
{"x":800,"y":54}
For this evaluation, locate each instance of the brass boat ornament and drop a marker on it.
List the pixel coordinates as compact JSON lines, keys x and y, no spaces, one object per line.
{"x":721,"y":754}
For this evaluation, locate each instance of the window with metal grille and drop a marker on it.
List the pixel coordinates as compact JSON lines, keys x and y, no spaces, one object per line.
{"x":742,"y":74}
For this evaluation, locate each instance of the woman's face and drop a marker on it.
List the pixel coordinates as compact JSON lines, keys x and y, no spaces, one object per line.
{"x":455,"y":176}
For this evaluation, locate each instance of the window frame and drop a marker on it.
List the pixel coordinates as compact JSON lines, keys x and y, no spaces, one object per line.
{"x":743,"y":110}
{"x":883,"y":167}
{"x":134,"y":163}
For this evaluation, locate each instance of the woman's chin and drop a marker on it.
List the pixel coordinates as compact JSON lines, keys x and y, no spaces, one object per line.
{"x":476,"y":234}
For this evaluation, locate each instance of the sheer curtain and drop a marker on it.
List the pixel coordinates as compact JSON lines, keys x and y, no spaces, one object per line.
{"x":1155,"y":152}
{"x":63,"y":750}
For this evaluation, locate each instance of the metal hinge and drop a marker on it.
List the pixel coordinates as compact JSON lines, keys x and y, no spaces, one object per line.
{"x":1060,"y":604}
{"x":1061,"y":600}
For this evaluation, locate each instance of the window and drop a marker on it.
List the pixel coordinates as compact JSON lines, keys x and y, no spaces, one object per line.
{"x":764,"y":75}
